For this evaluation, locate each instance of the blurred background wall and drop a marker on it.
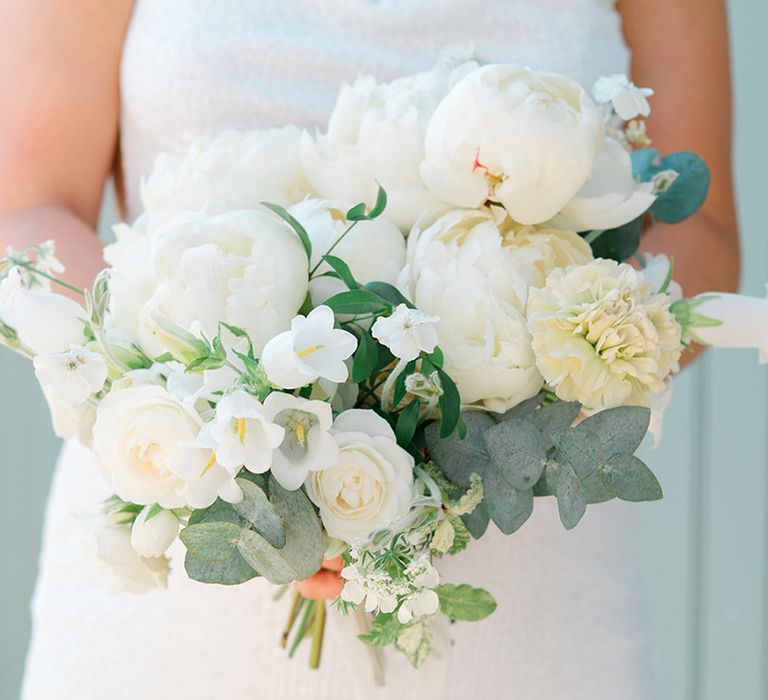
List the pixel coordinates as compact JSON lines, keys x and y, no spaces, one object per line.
{"x":704,"y":548}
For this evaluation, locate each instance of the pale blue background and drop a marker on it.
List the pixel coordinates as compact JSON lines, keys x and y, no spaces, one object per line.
{"x":704,"y":548}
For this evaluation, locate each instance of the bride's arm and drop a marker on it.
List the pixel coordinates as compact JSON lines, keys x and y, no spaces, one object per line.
{"x":59,"y":70}
{"x":681,"y":50}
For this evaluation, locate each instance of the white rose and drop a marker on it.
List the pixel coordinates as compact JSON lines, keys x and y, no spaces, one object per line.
{"x":374,"y":250}
{"x":370,"y":488}
{"x":152,"y":537}
{"x":143,"y":440}
{"x":240,"y":169}
{"x":505,"y":133}
{"x":376,"y":133}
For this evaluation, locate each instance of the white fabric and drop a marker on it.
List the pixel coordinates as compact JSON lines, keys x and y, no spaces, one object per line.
{"x":568,"y":623}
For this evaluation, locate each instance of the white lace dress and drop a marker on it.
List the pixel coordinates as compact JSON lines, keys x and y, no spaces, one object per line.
{"x":568,"y":623}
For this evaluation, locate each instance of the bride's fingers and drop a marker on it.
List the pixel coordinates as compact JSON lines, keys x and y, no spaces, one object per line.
{"x":324,"y":585}
{"x":335,"y":564}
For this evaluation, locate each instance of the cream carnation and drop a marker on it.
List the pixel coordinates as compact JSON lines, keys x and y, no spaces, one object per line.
{"x":602,"y":336}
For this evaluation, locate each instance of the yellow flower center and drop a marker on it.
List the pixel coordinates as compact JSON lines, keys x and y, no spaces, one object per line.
{"x":308,"y":351}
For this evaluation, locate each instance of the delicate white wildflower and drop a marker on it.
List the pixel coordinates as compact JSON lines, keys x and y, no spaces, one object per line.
{"x":151,"y":537}
{"x":406,"y":332}
{"x":419,"y":604}
{"x":635,"y":134}
{"x":427,"y":388}
{"x":73,"y":375}
{"x":627,"y":100}
{"x":312,"y":349}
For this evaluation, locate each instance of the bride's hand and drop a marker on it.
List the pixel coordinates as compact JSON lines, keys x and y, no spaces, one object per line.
{"x":326,"y":584}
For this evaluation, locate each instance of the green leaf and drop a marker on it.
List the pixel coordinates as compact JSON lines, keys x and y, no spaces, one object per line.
{"x":407,"y":421}
{"x":357,"y":213}
{"x":260,"y":513}
{"x":461,"y":534}
{"x":294,"y":224}
{"x":619,"y":429}
{"x":380,"y":205}
{"x":358,"y":301}
{"x":231,"y":572}
{"x":463,"y":602}
{"x":508,"y":507}
{"x":436,"y":357}
{"x":547,"y":483}
{"x":366,"y":356}
{"x":389,"y":293}
{"x":687,"y":193}
{"x":415,"y":641}
{"x":571,"y":497}
{"x":555,"y":417}
{"x":449,"y":403}
{"x":477,"y":521}
{"x":619,"y":243}
{"x":153,"y":512}
{"x":458,"y":458}
{"x":384,"y":630}
{"x":211,"y":541}
{"x":523,"y":409}
{"x":398,"y":393}
{"x":342,"y":270}
{"x":583,"y":451}
{"x":630,"y":479}
{"x":518,"y":452}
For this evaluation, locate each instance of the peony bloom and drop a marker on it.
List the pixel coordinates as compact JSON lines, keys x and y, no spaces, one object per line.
{"x":406,"y":332}
{"x":74,"y":375}
{"x":626,"y":99}
{"x":374,"y":250}
{"x":602,"y":336}
{"x":507,"y":134}
{"x":152,"y":537}
{"x":369,"y":488}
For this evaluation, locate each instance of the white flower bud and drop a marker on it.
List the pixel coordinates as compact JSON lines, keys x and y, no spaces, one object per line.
{"x":151,"y":537}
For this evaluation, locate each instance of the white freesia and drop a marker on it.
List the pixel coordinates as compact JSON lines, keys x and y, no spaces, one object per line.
{"x":73,"y":375}
{"x":143,"y":440}
{"x":406,"y":332}
{"x":507,"y":134}
{"x":626,"y":99}
{"x":151,"y":537}
{"x":312,"y":349}
{"x":602,"y":336}
{"x":370,"y":487}
{"x":45,"y":322}
{"x":307,"y":444}
{"x":374,"y":250}
{"x":376,"y":134}
{"x":242,"y":434}
{"x":241,"y":169}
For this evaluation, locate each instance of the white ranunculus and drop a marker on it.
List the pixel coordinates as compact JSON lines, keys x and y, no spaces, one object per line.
{"x":311,"y":350}
{"x":70,"y":420}
{"x":370,"y":487}
{"x":73,"y":375}
{"x":152,"y":537}
{"x":406,"y":332}
{"x":246,"y":268}
{"x":507,"y":134}
{"x":376,"y":134}
{"x":374,"y":250}
{"x":45,"y":322}
{"x":240,"y":169}
{"x":143,"y":440}
{"x":602,"y":336}
{"x":626,"y":99}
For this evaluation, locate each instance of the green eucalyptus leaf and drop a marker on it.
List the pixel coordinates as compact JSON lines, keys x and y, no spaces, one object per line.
{"x":458,"y":458}
{"x":687,"y":193}
{"x":582,"y":450}
{"x":231,"y":572}
{"x":260,"y":513}
{"x":518,"y":451}
{"x":463,"y":602}
{"x":571,"y":497}
{"x":211,"y":541}
{"x":630,"y":479}
{"x":619,"y":429}
{"x":477,"y":521}
{"x":521,"y":410}
{"x":555,"y":417}
{"x":508,"y":507}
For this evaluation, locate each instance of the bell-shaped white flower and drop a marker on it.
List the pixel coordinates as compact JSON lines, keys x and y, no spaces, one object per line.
{"x":406,"y":332}
{"x":241,"y":434}
{"x":151,"y":537}
{"x":73,"y":375}
{"x":307,"y":444}
{"x":627,"y":100}
{"x":311,"y":350}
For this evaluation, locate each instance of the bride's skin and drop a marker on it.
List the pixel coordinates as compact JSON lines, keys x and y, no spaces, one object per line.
{"x":59,"y":110}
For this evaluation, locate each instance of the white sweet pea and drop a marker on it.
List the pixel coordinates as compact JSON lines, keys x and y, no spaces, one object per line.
{"x":152,"y":537}
{"x":627,"y":100}
{"x":507,"y":134}
{"x":406,"y":332}
{"x":73,"y":375}
{"x":242,"y":434}
{"x":307,"y":445}
{"x":311,"y":350}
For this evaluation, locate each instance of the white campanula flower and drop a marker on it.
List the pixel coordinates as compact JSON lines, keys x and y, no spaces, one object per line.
{"x":627,"y":100}
{"x":602,"y":335}
{"x":406,"y":332}
{"x":73,"y":375}
{"x":370,"y":486}
{"x":242,"y":434}
{"x":311,"y":350}
{"x":510,"y":135}
{"x":307,"y":444}
{"x":657,"y":269}
{"x":151,"y":537}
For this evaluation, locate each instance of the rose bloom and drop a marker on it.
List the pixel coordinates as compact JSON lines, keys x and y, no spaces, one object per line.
{"x":602,"y":336}
{"x":370,"y":487}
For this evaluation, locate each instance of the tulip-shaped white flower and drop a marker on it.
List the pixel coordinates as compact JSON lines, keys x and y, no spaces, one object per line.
{"x":627,"y":100}
{"x":311,"y":350}
{"x":151,"y":537}
{"x":73,"y":375}
{"x":242,"y":434}
{"x":307,"y":445}
{"x":406,"y":332}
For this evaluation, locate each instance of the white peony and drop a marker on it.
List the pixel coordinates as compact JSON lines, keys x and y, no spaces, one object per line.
{"x":370,"y":487}
{"x":376,"y":134}
{"x":507,"y":134}
{"x":602,"y":336}
{"x":74,"y":375}
{"x":143,"y":440}
{"x":374,"y":250}
{"x":151,"y":537}
{"x":240,"y":169}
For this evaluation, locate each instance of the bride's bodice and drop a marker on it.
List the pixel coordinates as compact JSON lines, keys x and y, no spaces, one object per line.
{"x":192,"y":66}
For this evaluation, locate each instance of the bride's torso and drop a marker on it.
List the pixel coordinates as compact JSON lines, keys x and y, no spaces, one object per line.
{"x":191,"y":66}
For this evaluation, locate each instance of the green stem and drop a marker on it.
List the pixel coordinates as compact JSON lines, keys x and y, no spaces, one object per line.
{"x":330,"y":250}
{"x":296,"y":604}
{"x":302,"y":630}
{"x":318,"y":631}
{"x":35,"y":271}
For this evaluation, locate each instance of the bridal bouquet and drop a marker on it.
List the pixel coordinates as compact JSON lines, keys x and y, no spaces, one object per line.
{"x":351,"y":351}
